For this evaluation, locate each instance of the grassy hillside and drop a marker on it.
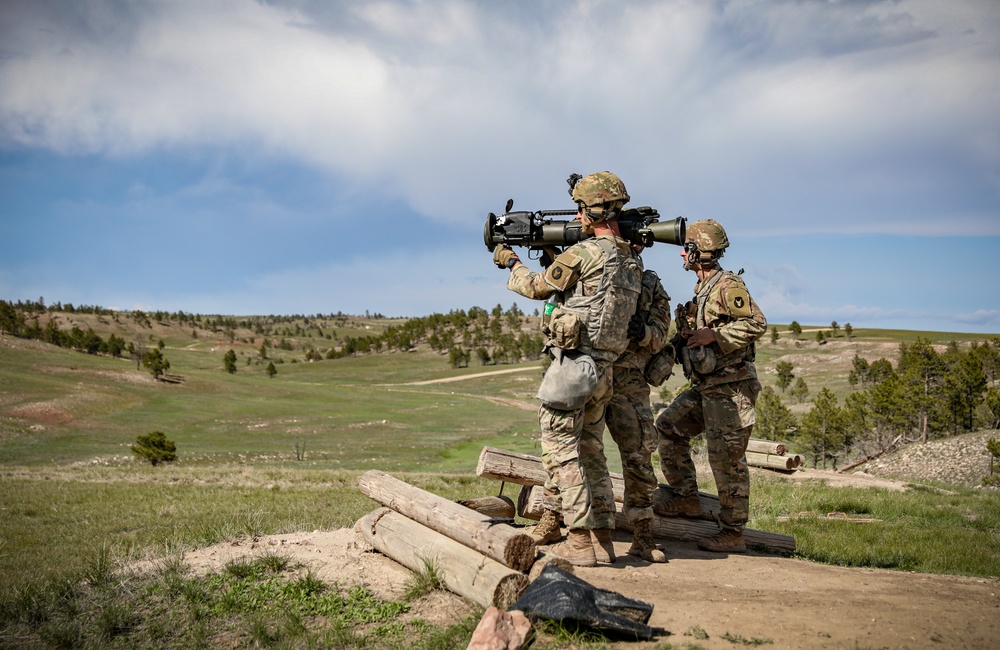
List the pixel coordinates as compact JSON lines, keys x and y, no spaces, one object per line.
{"x":59,"y":406}
{"x":74,"y":503}
{"x":65,"y":407}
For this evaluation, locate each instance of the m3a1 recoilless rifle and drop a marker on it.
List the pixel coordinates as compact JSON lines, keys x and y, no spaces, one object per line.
{"x":541,"y":229}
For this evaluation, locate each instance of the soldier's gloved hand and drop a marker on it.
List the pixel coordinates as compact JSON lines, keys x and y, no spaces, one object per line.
{"x":637,"y":327}
{"x":502,"y":256}
{"x":549,"y":255}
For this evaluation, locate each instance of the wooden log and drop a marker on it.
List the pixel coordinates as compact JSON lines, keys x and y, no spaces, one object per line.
{"x":499,"y":541}
{"x":511,"y":467}
{"x":524,"y":469}
{"x":666,"y":527}
{"x":529,"y":498}
{"x":767,"y":447}
{"x":499,"y":507}
{"x":771,"y":461}
{"x":710,"y":507}
{"x":529,"y":502}
{"x":466,"y":572}
{"x":689,"y":530}
{"x":527,"y":470}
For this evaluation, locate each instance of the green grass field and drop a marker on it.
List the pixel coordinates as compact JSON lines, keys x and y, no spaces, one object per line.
{"x":72,"y":495}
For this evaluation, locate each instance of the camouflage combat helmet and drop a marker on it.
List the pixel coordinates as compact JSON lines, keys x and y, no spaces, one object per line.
{"x":706,"y":241}
{"x":601,"y":194}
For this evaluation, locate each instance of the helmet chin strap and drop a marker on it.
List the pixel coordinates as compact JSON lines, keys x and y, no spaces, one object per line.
{"x":693,"y":256}
{"x":607,"y":213}
{"x":696,"y":256}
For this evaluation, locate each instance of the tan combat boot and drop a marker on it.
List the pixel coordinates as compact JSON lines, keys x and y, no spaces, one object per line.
{"x":725,"y":541}
{"x":642,"y":542}
{"x":578,"y":550}
{"x":604,"y":548}
{"x":547,"y":531}
{"x":689,"y":506}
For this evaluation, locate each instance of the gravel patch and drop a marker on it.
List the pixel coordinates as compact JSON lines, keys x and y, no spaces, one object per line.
{"x":961,"y":460}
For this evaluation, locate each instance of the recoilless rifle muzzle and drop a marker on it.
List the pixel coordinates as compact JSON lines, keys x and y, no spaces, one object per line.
{"x":641,"y":226}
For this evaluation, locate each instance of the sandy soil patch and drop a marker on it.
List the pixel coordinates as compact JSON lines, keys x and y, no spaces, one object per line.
{"x":793,"y":603}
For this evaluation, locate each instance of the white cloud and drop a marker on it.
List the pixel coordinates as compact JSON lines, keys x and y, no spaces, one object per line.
{"x":782,"y":119}
{"x":446,"y":100}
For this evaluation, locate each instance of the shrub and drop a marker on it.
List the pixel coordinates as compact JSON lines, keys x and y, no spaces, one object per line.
{"x":155,"y":448}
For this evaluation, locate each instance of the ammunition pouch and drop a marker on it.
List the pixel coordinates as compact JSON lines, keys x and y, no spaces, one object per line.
{"x":563,"y":329}
{"x":660,"y":366}
{"x":703,"y":361}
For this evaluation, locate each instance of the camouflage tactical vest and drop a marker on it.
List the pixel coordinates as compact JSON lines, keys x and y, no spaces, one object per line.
{"x":604,"y":316}
{"x":636,"y":356}
{"x":736,"y":365}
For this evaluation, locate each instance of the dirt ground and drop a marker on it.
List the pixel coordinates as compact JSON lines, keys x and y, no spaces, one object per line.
{"x":792,"y":603}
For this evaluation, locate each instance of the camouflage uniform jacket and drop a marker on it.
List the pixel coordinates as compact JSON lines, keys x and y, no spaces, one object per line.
{"x":723,"y":304}
{"x":583,"y":275}
{"x":654,"y":305}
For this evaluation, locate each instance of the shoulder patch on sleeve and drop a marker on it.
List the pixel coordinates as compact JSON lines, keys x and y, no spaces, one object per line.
{"x":564,"y":271}
{"x":737,"y":301}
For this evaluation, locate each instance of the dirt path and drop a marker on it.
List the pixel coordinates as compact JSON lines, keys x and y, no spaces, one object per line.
{"x":473,"y":376}
{"x":793,"y":603}
{"x":800,"y":604}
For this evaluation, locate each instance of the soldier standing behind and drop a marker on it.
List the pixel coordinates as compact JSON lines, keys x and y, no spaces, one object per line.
{"x":718,"y":359}
{"x":630,"y":417}
{"x":597,"y":282}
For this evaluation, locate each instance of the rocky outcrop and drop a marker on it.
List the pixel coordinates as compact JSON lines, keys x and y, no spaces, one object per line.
{"x":960,"y":460}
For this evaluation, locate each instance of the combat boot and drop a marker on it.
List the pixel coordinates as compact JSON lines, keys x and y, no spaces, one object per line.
{"x":577,"y":549}
{"x":679,"y":506}
{"x":725,"y":541}
{"x":604,"y":548}
{"x":642,"y":542}
{"x":547,"y":531}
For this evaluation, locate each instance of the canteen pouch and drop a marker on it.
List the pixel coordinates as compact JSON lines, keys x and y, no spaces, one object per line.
{"x":660,"y":366}
{"x":703,"y":360}
{"x":569,"y":381}
{"x":563,"y":329}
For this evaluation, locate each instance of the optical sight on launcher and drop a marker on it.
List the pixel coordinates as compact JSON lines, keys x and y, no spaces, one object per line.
{"x":640,"y":226}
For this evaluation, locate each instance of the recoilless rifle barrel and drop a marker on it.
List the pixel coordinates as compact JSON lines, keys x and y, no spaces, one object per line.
{"x":538,"y":229}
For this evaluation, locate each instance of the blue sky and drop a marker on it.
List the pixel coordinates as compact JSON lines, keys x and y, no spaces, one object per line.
{"x":302,"y":157}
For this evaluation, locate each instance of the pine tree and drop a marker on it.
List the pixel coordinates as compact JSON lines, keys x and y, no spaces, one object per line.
{"x":800,"y":391}
{"x":785,"y":375}
{"x":229,"y":362}
{"x":774,"y":420}
{"x":923,"y":371}
{"x":155,"y":448}
{"x":156,"y":363}
{"x":823,"y":428}
{"x":965,"y":386}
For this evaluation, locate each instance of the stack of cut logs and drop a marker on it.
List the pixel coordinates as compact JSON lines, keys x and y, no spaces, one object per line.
{"x":473,"y":548}
{"x":475,"y":556}
{"x":771,"y":455}
{"x":529,"y":473}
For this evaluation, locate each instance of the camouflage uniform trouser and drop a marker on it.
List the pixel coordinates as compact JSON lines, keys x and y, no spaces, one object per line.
{"x":630,"y":422}
{"x":578,"y":484}
{"x":725,"y":412}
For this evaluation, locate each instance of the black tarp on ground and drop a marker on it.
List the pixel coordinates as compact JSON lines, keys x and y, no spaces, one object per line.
{"x":560,"y":596}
